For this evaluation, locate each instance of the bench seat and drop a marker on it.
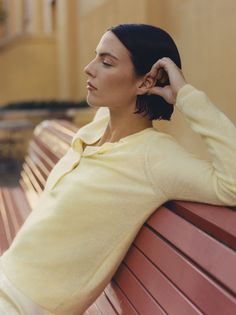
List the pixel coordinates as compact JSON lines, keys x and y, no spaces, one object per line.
{"x":182,"y":261}
{"x":14,"y":209}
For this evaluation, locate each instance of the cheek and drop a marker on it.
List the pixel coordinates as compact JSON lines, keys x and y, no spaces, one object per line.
{"x":121,"y":83}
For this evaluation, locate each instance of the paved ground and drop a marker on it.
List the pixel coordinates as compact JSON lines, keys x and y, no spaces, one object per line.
{"x":9,"y":172}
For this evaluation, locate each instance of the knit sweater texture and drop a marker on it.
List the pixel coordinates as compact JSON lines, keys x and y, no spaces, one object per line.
{"x":97,"y":199}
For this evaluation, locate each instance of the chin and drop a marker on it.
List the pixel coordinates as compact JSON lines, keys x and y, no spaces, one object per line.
{"x":93,"y":103}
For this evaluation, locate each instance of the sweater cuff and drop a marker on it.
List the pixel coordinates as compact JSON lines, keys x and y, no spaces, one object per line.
{"x":183,"y":93}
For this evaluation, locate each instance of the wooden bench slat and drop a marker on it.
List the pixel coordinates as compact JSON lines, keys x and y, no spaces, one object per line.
{"x":194,"y":283}
{"x":158,"y":285}
{"x":54,"y":144}
{"x":218,"y":221}
{"x":30,"y":193}
{"x":34,"y":183}
{"x":13,"y":215}
{"x":34,"y":175}
{"x":39,"y":163}
{"x":6,"y":219}
{"x":136,"y":293}
{"x":5,"y":232}
{"x":104,"y":305}
{"x":197,"y":245}
{"x":65,"y":137}
{"x":64,"y":126}
{"x":20,"y":202}
{"x":45,"y":158}
{"x":54,"y":156}
{"x":93,"y":310}
{"x":4,"y":244}
{"x":14,"y":210}
{"x":17,"y":204}
{"x":119,"y":300}
{"x":34,"y":165}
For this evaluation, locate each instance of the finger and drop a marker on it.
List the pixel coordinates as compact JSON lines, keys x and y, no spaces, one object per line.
{"x":156,"y":90}
{"x":164,"y":92}
{"x":159,"y":70}
{"x":155,"y":69}
{"x":164,"y":64}
{"x":168,"y":64}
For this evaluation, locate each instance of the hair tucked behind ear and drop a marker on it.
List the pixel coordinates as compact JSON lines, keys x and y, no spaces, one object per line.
{"x":146,"y":44}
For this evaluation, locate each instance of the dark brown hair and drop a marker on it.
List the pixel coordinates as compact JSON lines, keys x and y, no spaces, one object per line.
{"x":146,"y":44}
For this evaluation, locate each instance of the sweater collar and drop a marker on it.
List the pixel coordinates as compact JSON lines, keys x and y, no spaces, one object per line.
{"x":93,"y":131}
{"x":90,"y":133}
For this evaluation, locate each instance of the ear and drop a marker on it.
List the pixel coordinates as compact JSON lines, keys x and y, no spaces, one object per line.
{"x":145,"y":84}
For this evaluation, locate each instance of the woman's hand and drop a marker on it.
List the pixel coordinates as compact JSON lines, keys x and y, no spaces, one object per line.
{"x":162,"y":68}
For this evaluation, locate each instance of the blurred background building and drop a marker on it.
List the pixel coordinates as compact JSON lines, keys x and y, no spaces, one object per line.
{"x":45,"y":44}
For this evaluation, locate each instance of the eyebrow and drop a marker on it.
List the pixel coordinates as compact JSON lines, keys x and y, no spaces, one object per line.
{"x":106,"y":54}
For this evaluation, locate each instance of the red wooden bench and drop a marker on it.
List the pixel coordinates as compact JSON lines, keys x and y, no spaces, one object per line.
{"x":182,"y":261}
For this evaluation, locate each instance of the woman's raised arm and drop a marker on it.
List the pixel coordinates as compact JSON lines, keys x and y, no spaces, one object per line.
{"x":180,"y":174}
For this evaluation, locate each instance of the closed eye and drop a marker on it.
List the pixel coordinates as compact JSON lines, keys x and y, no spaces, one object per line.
{"x":106,"y":64}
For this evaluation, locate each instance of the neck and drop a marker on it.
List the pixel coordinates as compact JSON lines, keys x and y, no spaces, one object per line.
{"x":123,"y":123}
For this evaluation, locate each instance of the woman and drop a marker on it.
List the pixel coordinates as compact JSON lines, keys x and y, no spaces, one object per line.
{"x":118,"y":170}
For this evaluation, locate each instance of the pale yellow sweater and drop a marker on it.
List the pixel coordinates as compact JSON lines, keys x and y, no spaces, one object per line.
{"x":96,"y":201}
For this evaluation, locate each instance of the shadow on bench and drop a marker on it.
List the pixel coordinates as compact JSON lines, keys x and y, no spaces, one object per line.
{"x":182,"y":262}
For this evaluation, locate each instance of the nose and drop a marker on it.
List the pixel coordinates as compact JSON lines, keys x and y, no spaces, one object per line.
{"x":89,"y":69}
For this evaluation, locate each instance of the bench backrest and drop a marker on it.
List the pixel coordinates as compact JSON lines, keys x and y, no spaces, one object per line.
{"x":51,"y":140}
{"x":183,"y":260}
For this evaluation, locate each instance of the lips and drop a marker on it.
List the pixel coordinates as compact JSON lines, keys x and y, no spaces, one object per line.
{"x":90,"y":86}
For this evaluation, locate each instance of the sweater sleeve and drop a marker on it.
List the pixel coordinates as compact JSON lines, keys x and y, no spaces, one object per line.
{"x":181,"y":175}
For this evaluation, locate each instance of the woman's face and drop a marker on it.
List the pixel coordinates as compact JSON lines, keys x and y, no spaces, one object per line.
{"x":111,"y":78}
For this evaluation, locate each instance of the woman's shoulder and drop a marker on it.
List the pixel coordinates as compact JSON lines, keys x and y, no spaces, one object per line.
{"x":163,"y":143}
{"x":160,"y":137}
